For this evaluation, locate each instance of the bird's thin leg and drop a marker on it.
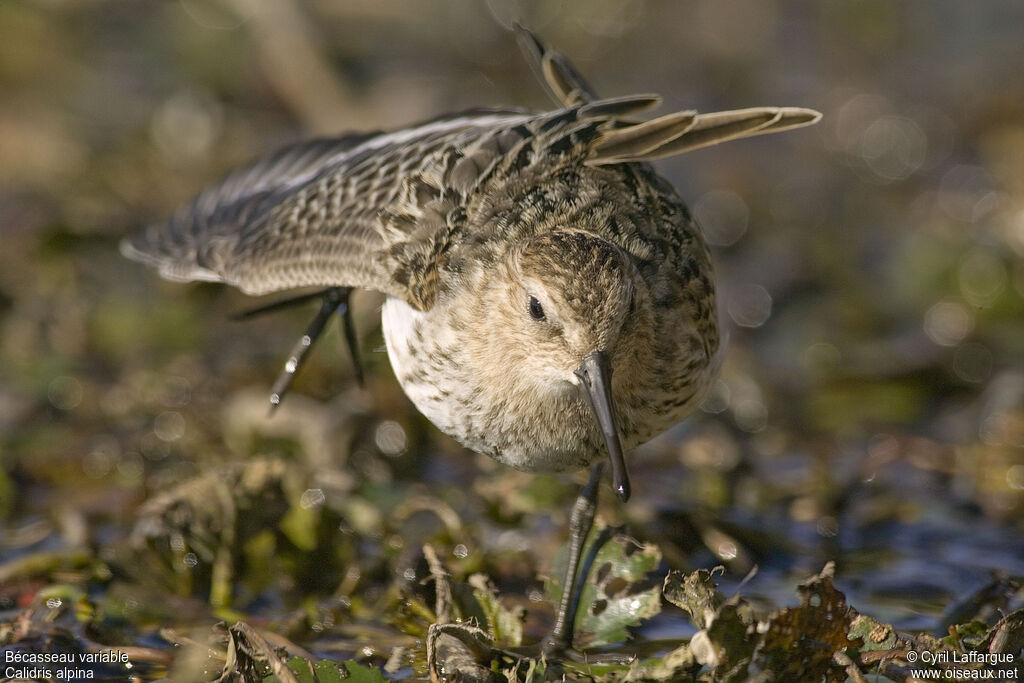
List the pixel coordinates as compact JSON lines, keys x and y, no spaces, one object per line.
{"x":348,"y":329}
{"x":279,"y":305}
{"x":580,"y":523}
{"x":301,"y":348}
{"x":333,"y":299}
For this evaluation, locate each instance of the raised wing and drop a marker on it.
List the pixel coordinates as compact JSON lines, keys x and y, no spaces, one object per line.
{"x":380,"y":211}
{"x":686,"y":131}
{"x":662,"y":137}
{"x":318,"y":212}
{"x":190,"y":245}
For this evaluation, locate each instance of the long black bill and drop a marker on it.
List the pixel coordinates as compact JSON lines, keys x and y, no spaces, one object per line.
{"x":596,"y":375}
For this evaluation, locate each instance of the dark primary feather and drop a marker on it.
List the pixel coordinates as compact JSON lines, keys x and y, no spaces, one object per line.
{"x":564,"y":84}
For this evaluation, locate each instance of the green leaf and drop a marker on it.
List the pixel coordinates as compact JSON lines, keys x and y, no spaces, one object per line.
{"x":876,"y":635}
{"x":536,"y":672}
{"x":615,"y":595}
{"x":504,"y":625}
{"x":300,"y":526}
{"x":326,"y":671}
{"x":357,"y":673}
{"x":967,"y":636}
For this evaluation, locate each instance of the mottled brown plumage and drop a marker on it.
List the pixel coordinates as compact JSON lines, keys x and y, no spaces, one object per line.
{"x":463,"y":220}
{"x":549,"y":298}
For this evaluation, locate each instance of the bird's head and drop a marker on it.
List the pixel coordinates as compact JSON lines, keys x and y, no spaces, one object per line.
{"x":572,"y":309}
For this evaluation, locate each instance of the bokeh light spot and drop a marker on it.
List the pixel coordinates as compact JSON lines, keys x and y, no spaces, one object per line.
{"x":948,"y":323}
{"x":750,"y":306}
{"x":723,"y":216}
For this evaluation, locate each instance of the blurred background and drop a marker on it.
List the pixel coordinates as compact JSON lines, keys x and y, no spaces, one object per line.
{"x":870,"y":274}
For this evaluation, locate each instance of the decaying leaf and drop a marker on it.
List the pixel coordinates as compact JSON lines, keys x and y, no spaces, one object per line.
{"x":678,"y":665}
{"x":695,"y":593}
{"x":63,"y":621}
{"x":728,"y":642}
{"x":476,"y":601}
{"x":801,"y":641}
{"x":191,"y":533}
{"x":460,"y":652}
{"x":249,"y":654}
{"x":615,"y":594}
{"x":1007,"y":635}
{"x":811,"y":641}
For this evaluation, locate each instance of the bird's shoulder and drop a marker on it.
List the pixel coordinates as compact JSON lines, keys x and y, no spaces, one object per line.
{"x":628,"y":204}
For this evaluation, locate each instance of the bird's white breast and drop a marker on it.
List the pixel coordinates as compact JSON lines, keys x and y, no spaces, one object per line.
{"x":411,"y":338}
{"x":428,"y":359}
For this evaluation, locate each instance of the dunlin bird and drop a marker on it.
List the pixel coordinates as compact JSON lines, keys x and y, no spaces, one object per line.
{"x":524,"y":255}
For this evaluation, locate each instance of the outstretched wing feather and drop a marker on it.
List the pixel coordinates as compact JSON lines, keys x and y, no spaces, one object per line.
{"x":659,"y":138}
{"x":309,"y":214}
{"x":556,"y":73}
{"x":370,"y":210}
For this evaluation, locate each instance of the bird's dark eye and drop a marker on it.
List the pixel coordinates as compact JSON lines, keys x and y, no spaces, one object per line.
{"x":536,"y":310}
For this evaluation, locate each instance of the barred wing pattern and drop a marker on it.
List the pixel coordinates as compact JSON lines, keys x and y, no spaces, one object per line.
{"x":315,"y":213}
{"x":381,"y":210}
